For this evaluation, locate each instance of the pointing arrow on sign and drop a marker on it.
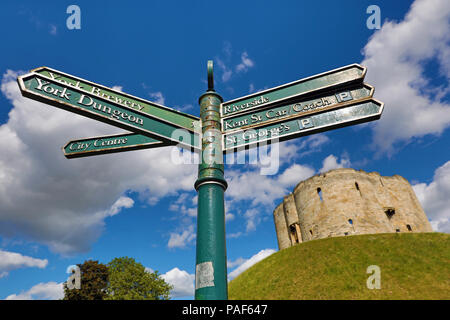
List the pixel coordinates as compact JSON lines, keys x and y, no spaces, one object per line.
{"x":353,"y":73}
{"x":72,"y":98}
{"x":110,"y":144}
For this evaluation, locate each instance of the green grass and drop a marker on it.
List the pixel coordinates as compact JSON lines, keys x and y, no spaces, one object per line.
{"x":413,"y":266}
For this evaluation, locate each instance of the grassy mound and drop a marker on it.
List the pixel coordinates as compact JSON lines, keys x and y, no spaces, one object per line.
{"x":413,"y":266}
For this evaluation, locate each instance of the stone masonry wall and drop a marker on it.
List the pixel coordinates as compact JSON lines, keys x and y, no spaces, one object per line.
{"x":346,"y":202}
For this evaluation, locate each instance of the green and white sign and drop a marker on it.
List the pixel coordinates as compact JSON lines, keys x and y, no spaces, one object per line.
{"x":71,"y":98}
{"x":353,"y":113}
{"x":319,"y":103}
{"x":157,"y":111}
{"x":312,"y":85}
{"x":110,"y":144}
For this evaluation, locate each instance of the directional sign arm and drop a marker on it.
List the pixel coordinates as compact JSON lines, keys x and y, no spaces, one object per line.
{"x":312,"y":85}
{"x":74,"y":99}
{"x":159,"y":112}
{"x":110,"y":144}
{"x":333,"y":99}
{"x":354,"y":113}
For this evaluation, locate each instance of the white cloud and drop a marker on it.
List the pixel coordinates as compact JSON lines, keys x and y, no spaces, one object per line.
{"x":435,"y":199}
{"x":179,"y":205}
{"x":63,"y":203}
{"x":237,"y":262}
{"x":253,"y":217}
{"x":396,"y":57}
{"x":262,"y":189}
{"x":182,"y":282}
{"x":181,"y":240}
{"x":297,"y":148}
{"x":250,"y":262}
{"x":149,"y":270}
{"x":12,"y":260}
{"x":157,"y":97}
{"x":294,"y":174}
{"x":226,"y":72}
{"x":122,"y":202}
{"x":118,"y":88}
{"x":331,"y":162}
{"x":245,"y":64}
{"x":41,"y":291}
{"x":234,"y":235}
{"x":53,"y":29}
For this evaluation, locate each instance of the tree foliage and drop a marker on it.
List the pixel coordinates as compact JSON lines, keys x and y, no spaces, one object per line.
{"x":128,"y":280}
{"x":94,"y":279}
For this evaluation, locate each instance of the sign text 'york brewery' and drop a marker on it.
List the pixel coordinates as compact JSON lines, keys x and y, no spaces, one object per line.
{"x":96,"y":91}
{"x":87,"y":101}
{"x":155,"y":111}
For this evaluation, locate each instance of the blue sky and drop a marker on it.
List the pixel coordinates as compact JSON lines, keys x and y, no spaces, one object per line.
{"x":56,"y":212}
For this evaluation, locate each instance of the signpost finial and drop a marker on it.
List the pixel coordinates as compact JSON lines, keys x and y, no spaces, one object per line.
{"x":210,"y":76}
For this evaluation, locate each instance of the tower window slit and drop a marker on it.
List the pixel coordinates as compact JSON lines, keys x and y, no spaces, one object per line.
{"x":319,"y":192}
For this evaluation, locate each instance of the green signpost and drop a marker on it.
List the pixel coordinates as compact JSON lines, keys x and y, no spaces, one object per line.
{"x":110,"y":144}
{"x":326,"y":101}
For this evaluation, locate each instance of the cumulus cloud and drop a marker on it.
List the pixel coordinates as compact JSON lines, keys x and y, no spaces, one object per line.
{"x":262,"y":190}
{"x":122,"y":202}
{"x":225,"y":65}
{"x":435,"y":200}
{"x":118,"y":88}
{"x":12,"y":260}
{"x":179,"y":205}
{"x":181,"y":240}
{"x":63,"y":203}
{"x":251,"y":185}
{"x":245,"y":264}
{"x":53,"y":29}
{"x":157,"y":97}
{"x":331,"y":162}
{"x":41,"y":291}
{"x":245,"y":64}
{"x":182,"y":282}
{"x":226,"y":72}
{"x":294,"y":174}
{"x":397,"y":58}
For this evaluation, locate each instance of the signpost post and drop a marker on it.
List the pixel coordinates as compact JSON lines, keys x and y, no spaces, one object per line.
{"x":211,"y":261}
{"x":326,"y":101}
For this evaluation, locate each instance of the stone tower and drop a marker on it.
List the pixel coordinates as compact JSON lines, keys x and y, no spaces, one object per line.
{"x":345,"y":202}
